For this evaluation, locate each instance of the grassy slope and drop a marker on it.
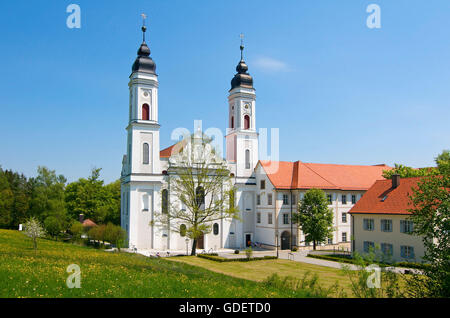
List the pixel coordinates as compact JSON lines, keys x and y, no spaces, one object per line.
{"x":24,"y":273}
{"x":260,"y":270}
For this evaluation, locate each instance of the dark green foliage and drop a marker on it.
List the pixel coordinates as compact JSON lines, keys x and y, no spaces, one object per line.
{"x":92,"y":198}
{"x":53,"y":226}
{"x":216,"y":258}
{"x":431,"y":217}
{"x":314,"y":217}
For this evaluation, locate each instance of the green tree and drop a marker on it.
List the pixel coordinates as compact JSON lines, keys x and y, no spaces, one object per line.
{"x":201,"y":192}
{"x":6,"y":201}
{"x":92,"y":198}
{"x":115,"y":235}
{"x":409,"y":172}
{"x":47,"y":197}
{"x":53,"y":226}
{"x":76,"y":229}
{"x":431,"y":219}
{"x":314,"y":217}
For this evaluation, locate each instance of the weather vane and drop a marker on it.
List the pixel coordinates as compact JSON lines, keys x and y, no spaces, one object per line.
{"x":144,"y":28}
{"x":242,"y":44}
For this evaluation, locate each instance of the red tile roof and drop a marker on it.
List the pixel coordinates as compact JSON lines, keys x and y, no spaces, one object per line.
{"x":300,"y":175}
{"x":167,"y":152}
{"x":89,"y":223}
{"x":381,"y":198}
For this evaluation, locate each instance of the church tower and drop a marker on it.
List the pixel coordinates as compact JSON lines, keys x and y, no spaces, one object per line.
{"x":141,"y":177}
{"x":242,"y":138}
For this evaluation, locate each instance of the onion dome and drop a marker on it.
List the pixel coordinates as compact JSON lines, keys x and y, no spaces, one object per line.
{"x":144,"y":62}
{"x":242,"y":78}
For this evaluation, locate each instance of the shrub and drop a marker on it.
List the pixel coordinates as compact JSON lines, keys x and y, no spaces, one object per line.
{"x":249,"y":252}
{"x":223,"y":259}
{"x":114,"y":234}
{"x":236,"y":251}
{"x":310,"y":285}
{"x":53,"y":226}
{"x":76,"y":229}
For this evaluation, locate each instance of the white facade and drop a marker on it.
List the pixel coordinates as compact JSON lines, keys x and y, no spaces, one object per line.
{"x":144,"y":176}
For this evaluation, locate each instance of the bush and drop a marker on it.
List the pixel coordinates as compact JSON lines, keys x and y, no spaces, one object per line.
{"x":310,"y":285}
{"x":294,"y":249}
{"x":115,"y":235}
{"x":249,"y":252}
{"x":53,"y":226}
{"x":236,"y":251}
{"x":223,"y":259}
{"x":76,"y":230}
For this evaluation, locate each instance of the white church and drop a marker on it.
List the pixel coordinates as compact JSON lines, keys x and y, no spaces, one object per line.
{"x":267,"y":192}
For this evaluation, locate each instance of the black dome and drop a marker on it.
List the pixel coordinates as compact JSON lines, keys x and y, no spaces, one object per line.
{"x":242,"y":78}
{"x":144,"y":62}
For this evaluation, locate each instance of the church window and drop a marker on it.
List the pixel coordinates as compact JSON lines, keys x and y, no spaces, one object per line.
{"x":262,"y":184}
{"x":182,"y":230}
{"x":246,"y":122}
{"x":232,"y":122}
{"x":145,"y":112}
{"x":145,"y":154}
{"x":200,"y":194}
{"x":165,"y":201}
{"x":247,"y":159}
{"x":216,"y":229}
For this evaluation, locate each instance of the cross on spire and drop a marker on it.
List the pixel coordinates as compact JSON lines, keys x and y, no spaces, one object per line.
{"x":144,"y":28}
{"x":242,"y":46}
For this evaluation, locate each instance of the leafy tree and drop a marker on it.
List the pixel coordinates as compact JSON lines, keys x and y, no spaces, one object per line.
{"x":6,"y":201}
{"x":47,"y":198}
{"x":431,"y":219}
{"x":90,"y":197}
{"x":201,"y":189}
{"x":76,"y":230}
{"x":34,"y":230}
{"x":314,"y":217}
{"x":115,"y":235}
{"x":409,"y":172}
{"x":53,"y":226}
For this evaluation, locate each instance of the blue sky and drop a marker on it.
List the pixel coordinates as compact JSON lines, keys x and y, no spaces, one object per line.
{"x":339,"y":91}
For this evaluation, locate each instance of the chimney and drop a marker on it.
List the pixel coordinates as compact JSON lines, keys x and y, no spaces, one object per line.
{"x":395,"y":181}
{"x":81,"y":218}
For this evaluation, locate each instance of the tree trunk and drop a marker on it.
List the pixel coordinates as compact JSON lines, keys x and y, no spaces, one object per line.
{"x":194,"y":247}
{"x":314,"y":245}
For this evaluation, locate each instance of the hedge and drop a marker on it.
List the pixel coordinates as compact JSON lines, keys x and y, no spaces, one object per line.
{"x":216,"y":258}
{"x":348,"y":259}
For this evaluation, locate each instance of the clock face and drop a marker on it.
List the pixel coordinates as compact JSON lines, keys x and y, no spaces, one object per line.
{"x":145,"y":93}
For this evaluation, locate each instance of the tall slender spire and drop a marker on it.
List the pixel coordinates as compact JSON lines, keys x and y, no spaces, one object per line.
{"x":242,"y":46}
{"x":242,"y":78}
{"x":144,"y":28}
{"x":144,"y":62}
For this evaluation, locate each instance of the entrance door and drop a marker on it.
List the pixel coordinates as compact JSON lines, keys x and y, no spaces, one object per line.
{"x":285,"y":240}
{"x":200,"y":242}
{"x":248,"y":240}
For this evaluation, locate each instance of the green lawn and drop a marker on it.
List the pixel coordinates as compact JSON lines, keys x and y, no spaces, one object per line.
{"x":24,"y":273}
{"x":262,"y":269}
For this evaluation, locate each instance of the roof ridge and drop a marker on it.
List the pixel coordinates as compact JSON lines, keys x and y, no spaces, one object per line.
{"x":305,"y":164}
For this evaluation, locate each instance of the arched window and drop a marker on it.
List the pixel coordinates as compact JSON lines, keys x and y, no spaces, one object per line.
{"x":216,"y":229}
{"x":145,"y":112}
{"x":145,"y":154}
{"x":165,"y":201}
{"x":247,"y":159}
{"x":232,"y":122}
{"x":200,"y":194}
{"x":246,"y":122}
{"x":182,"y":230}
